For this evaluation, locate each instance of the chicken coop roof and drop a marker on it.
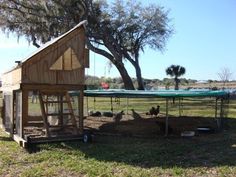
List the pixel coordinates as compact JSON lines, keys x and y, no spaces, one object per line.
{"x":48,"y":44}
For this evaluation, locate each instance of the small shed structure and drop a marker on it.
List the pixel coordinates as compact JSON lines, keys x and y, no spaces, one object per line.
{"x":47,"y":76}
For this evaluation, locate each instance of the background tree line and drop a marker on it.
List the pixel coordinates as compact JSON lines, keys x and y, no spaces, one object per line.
{"x":94,"y":82}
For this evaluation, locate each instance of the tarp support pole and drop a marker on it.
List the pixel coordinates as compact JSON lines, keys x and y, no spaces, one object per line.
{"x":111,"y":105}
{"x":179,"y":108}
{"x":87,"y":105}
{"x":216,"y":108}
{"x":94,"y":100}
{"x":127,"y":105}
{"x":81,"y":111}
{"x":221,"y":112}
{"x":167,"y":121}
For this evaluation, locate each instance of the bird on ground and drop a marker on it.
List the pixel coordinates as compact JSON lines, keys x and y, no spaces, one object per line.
{"x":157,"y":111}
{"x":151,"y":111}
{"x":135,"y":115}
{"x":96,"y":114}
{"x":154,"y":111}
{"x":118,"y":116}
{"x":107,"y":114}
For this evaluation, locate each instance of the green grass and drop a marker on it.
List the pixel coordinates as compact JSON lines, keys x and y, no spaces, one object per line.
{"x":204,"y":155}
{"x":212,"y":155}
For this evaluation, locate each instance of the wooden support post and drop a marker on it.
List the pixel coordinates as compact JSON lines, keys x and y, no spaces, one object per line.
{"x":70,"y":108}
{"x":24,"y":117}
{"x":167,"y":121}
{"x":60,"y":97}
{"x":86,"y":105}
{"x":12,"y":121}
{"x":81,"y":110}
{"x":44,"y":115}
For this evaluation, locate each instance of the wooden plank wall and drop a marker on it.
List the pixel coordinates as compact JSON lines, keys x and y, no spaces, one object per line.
{"x":37,"y":68}
{"x":11,"y":80}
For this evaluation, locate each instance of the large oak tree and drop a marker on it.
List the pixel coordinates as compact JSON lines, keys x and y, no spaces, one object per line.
{"x":117,"y":31}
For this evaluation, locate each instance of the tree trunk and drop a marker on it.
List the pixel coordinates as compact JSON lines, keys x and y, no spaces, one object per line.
{"x":139,"y":77}
{"x":128,"y":84}
{"x":136,"y":65}
{"x":176,"y":83}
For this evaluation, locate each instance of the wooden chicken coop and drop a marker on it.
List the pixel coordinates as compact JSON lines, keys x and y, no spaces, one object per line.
{"x":37,"y":106}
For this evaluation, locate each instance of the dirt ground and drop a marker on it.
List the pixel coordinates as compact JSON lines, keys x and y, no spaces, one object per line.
{"x":147,"y":126}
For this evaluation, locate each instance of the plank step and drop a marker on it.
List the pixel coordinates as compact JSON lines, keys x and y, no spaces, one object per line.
{"x":57,"y":114}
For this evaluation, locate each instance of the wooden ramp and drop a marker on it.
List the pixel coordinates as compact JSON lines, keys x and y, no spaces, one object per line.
{"x":58,"y":121}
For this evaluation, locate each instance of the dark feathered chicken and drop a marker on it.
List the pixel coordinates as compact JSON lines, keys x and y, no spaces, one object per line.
{"x":154,"y":111}
{"x":157,"y":110}
{"x":135,"y":115}
{"x":118,"y":116}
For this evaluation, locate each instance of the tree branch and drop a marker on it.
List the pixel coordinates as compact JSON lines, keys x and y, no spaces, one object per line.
{"x":34,"y":40}
{"x":100,"y":51}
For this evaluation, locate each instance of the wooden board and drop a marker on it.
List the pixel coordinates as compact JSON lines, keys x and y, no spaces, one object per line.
{"x":61,"y":63}
{"x":11,"y":80}
{"x":52,"y":88}
{"x":86,"y":58}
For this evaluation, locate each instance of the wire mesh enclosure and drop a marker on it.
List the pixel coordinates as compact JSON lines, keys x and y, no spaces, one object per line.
{"x":179,"y":111}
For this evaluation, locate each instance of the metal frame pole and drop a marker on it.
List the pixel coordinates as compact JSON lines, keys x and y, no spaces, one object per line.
{"x":221,"y":112}
{"x":87,"y":104}
{"x":127,"y":105}
{"x":179,"y":108}
{"x":216,"y":108}
{"x":111,"y":105}
{"x":167,"y":118}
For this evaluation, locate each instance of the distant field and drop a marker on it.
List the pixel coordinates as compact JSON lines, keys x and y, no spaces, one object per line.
{"x":219,"y":85}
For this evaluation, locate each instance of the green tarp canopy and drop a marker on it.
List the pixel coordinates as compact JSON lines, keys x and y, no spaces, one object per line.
{"x":152,"y":94}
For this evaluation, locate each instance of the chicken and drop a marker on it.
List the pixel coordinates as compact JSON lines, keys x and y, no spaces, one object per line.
{"x":157,"y":111}
{"x":135,"y":115}
{"x":96,"y":114}
{"x":118,"y":116}
{"x":154,"y":111}
{"x":107,"y":114}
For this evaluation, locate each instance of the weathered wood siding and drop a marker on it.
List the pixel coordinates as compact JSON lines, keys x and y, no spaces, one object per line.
{"x":56,"y":63}
{"x":11,"y":80}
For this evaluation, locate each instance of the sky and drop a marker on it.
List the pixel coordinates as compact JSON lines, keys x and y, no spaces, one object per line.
{"x":204,"y":42}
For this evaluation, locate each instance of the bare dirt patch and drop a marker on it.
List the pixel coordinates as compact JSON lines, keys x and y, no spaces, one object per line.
{"x":147,"y":126}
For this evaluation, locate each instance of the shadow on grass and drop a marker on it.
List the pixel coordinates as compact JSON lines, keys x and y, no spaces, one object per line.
{"x":204,"y":150}
{"x":3,"y":138}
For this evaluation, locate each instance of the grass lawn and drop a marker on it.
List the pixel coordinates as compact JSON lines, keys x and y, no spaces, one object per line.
{"x":210,"y":155}
{"x":203,"y":155}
